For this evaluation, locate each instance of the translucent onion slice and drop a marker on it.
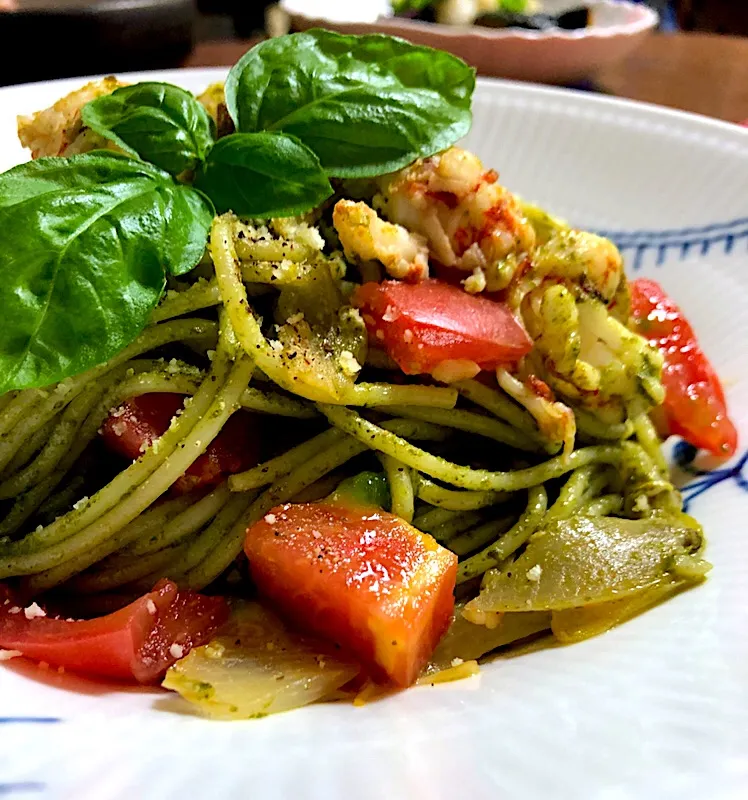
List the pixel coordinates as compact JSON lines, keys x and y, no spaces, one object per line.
{"x":576,"y":624}
{"x":465,"y":642}
{"x":587,"y":560}
{"x":256,"y":666}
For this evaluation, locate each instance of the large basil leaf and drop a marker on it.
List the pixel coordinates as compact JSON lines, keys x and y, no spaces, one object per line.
{"x":159,"y":122}
{"x":189,"y":215}
{"x":366,"y":105}
{"x":263,"y":175}
{"x":82,"y":261}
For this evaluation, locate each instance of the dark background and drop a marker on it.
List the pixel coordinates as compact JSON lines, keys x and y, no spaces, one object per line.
{"x":44,"y":39}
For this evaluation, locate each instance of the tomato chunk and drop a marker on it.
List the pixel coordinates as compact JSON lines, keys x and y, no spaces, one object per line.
{"x":422,"y":325}
{"x":139,"y":642}
{"x":364,"y":579}
{"x":695,"y":405}
{"x":134,"y":425}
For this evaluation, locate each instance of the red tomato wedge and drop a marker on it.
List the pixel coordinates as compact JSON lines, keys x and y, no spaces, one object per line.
{"x":422,"y":325}
{"x":364,"y":579}
{"x":694,"y":400}
{"x":134,"y":425}
{"x":139,"y":642}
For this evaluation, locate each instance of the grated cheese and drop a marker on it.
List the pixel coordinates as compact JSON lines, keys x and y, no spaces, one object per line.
{"x":390,"y":314}
{"x":118,"y":428}
{"x":34,"y":610}
{"x":534,"y":573}
{"x":348,"y":363}
{"x":176,"y":650}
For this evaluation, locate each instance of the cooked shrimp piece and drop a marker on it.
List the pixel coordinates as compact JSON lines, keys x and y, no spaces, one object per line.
{"x":470,"y":221}
{"x":58,"y":130}
{"x":573,"y":298}
{"x":555,"y":420}
{"x":367,"y":237}
{"x":588,"y":356}
{"x":592,"y":262}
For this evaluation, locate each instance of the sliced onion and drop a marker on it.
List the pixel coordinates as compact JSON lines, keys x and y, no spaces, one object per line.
{"x":587,"y":560}
{"x":576,"y":624}
{"x":465,"y":641}
{"x":256,"y":666}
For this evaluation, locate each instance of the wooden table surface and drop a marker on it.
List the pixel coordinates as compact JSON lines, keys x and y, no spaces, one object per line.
{"x":703,"y":73}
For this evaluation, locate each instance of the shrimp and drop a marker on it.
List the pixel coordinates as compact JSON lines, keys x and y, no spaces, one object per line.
{"x":592,"y":262}
{"x":58,"y":130}
{"x":573,"y":298}
{"x":470,"y":221}
{"x":555,"y":420}
{"x":587,"y":355}
{"x":367,"y":237}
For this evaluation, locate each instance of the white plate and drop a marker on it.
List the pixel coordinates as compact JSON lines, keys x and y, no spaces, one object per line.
{"x":552,"y":56}
{"x":655,"y":709}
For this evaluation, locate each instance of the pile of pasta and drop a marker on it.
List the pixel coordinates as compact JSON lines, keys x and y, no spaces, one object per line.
{"x":466,"y":462}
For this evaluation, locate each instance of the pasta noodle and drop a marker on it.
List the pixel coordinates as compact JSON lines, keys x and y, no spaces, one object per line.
{"x":119,"y":539}
{"x":313,"y":365}
{"x":364,"y":430}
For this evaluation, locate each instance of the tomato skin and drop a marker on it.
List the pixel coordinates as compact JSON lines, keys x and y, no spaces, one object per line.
{"x":362,"y":578}
{"x":695,"y":406}
{"x":134,"y":643}
{"x":422,"y":325}
{"x":140,"y":420}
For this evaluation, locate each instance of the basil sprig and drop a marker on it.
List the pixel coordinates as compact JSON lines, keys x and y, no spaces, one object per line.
{"x":85,"y":242}
{"x":318,"y":103}
{"x":366,"y":105}
{"x":255,"y":175}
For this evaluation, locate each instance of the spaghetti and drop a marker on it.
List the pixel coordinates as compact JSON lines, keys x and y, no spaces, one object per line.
{"x":498,"y":414}
{"x":91,"y":547}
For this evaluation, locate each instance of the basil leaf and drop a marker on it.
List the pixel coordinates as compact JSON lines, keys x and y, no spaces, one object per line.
{"x":82,"y":261}
{"x":263,"y":175}
{"x":366,"y":105}
{"x":159,"y":122}
{"x":189,"y":215}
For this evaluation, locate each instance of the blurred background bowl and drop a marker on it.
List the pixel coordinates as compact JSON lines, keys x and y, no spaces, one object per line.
{"x":550,"y":56}
{"x":42,"y":39}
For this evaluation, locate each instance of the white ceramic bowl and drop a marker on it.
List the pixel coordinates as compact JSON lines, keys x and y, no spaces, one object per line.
{"x":554,"y":56}
{"x":653,"y":710}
